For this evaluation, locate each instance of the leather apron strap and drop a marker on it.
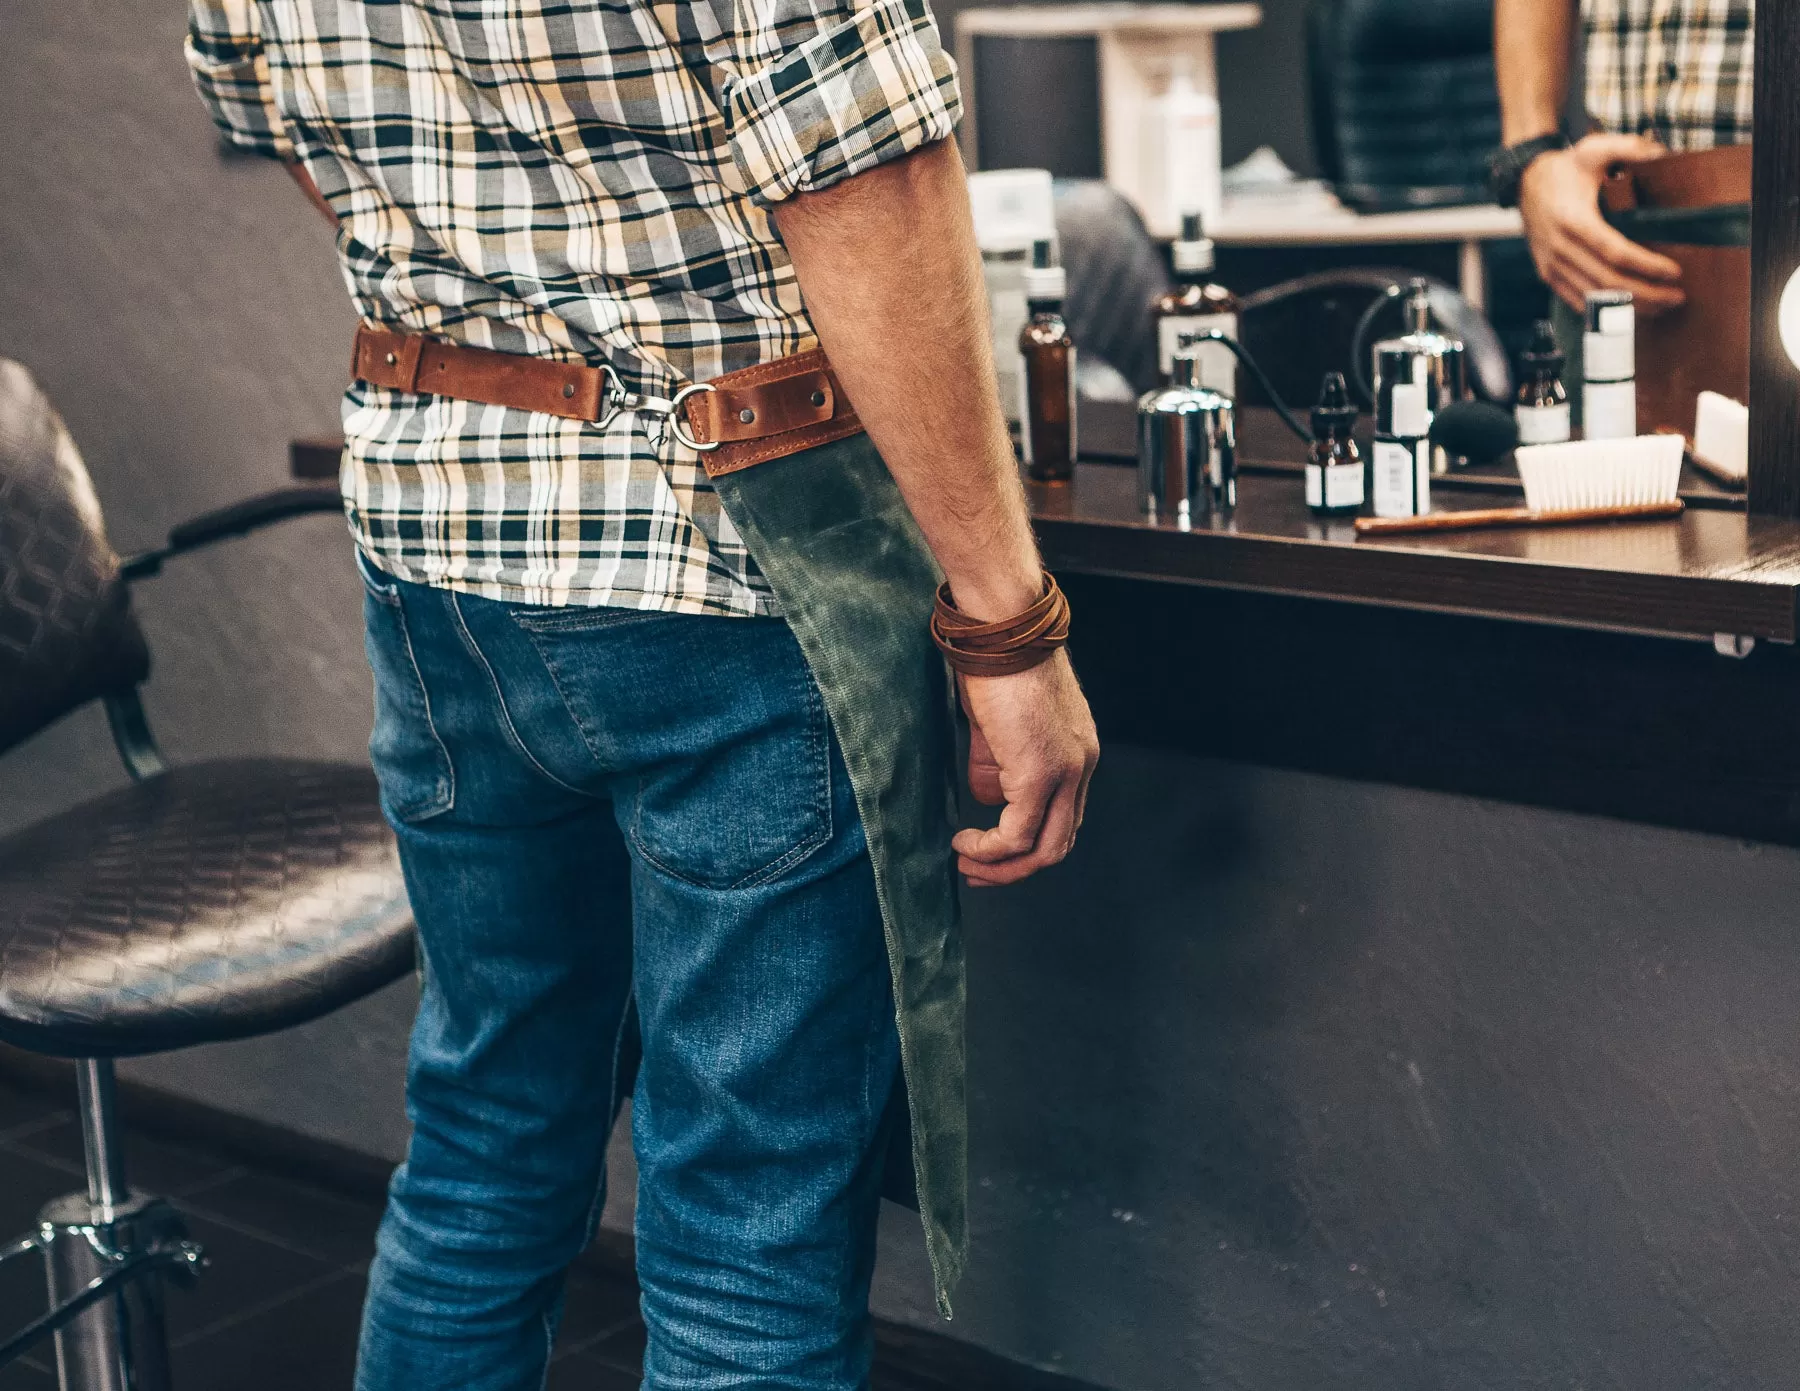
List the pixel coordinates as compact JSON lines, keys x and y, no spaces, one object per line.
{"x":746,"y":417}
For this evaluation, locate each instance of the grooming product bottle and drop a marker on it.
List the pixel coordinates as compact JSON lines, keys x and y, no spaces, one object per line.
{"x":1047,"y":422}
{"x":1196,"y":305}
{"x":1401,"y":466}
{"x":1334,"y":466}
{"x":1425,"y":357}
{"x":1179,"y":149}
{"x":1609,"y":366}
{"x":1012,"y":208}
{"x":1542,"y":408}
{"x":1187,"y":448}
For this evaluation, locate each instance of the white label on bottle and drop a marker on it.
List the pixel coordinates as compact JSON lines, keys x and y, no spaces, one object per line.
{"x":1218,"y":366}
{"x":1609,"y":410}
{"x":1402,"y":478}
{"x":1344,"y":485}
{"x":1617,"y":318}
{"x":1340,"y":485}
{"x":1542,"y":424}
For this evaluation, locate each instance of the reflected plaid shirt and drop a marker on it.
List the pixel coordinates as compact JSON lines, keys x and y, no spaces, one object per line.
{"x":583,"y":179}
{"x":1679,"y":70}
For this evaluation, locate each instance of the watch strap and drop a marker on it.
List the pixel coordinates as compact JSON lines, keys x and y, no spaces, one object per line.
{"x":1507,"y":166}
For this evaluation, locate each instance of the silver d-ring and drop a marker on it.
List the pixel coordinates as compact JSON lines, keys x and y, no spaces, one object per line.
{"x":676,"y":423}
{"x":613,"y":394}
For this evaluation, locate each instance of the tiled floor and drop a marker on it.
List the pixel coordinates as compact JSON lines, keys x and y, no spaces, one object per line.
{"x":277,"y":1308}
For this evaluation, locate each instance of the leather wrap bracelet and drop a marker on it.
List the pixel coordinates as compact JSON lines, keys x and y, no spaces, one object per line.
{"x":1000,"y":649}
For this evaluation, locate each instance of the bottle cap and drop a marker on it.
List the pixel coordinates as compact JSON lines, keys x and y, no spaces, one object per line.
{"x":1610,"y":312}
{"x":1193,"y":249}
{"x":1409,"y":412}
{"x":1334,"y":410}
{"x":1044,"y":280}
{"x":1543,"y":355}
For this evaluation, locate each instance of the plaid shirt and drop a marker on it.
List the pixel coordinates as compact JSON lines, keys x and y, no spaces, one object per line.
{"x":581,"y":181}
{"x":1679,"y":70}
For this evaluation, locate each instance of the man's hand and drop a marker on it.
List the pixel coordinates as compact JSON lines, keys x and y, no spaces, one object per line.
{"x":887,"y":264}
{"x":1575,"y":250}
{"x":1032,"y":746}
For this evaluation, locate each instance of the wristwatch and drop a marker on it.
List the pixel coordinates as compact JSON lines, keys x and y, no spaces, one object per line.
{"x":1506,"y":167}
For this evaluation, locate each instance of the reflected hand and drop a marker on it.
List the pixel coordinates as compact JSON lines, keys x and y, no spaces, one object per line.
{"x":1032,"y":746}
{"x":1574,"y":247}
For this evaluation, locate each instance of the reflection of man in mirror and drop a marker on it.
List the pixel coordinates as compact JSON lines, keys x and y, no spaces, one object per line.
{"x":1660,"y":76}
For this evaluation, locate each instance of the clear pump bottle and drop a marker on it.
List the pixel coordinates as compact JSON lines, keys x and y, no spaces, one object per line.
{"x":1047,"y":423}
{"x":1196,"y":305}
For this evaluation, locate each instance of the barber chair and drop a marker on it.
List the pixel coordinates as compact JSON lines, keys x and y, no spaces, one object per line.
{"x":1403,"y":103}
{"x":214,"y":901}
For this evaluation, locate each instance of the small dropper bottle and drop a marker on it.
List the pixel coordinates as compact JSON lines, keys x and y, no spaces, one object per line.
{"x":1335,"y":482}
{"x":1542,"y":409}
{"x":1047,"y":424}
{"x":1196,"y":305}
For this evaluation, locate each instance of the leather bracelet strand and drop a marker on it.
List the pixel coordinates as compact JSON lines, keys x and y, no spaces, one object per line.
{"x":1001,"y":649}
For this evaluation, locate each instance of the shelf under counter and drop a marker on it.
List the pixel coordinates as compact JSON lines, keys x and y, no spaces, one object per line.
{"x":1713,"y":570}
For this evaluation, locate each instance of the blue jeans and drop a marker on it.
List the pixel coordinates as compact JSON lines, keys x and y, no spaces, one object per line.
{"x":602,"y":813}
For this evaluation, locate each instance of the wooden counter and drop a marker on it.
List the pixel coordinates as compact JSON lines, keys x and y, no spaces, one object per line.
{"x":1714,"y":570}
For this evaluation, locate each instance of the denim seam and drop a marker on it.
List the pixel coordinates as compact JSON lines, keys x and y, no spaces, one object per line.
{"x":531,"y":636}
{"x":612,"y":1110}
{"x":578,"y":619}
{"x":506,"y":718}
{"x":799,"y":854}
{"x":444,"y":798}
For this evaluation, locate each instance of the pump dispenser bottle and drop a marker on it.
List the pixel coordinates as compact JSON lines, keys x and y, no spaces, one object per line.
{"x":1196,"y":305}
{"x":1402,"y":461}
{"x":1422,"y":355}
{"x":1047,"y":423}
{"x":1334,"y":466}
{"x":1542,"y":409}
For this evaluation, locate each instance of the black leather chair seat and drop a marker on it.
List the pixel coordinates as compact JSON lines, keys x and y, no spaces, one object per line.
{"x":216,"y":901}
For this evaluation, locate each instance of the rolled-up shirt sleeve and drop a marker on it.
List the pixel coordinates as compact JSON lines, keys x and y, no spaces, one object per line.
{"x":872,"y":82}
{"x":231,"y":72}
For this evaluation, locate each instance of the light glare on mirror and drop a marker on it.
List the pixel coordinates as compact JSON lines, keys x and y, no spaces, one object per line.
{"x":1787,"y":316}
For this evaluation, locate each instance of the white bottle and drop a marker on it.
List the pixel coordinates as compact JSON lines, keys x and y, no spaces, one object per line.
{"x":1401,"y":463}
{"x":1181,"y":152}
{"x":1609,"y":366}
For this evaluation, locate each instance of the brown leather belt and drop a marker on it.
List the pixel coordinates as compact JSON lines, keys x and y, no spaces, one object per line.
{"x":742,"y":418}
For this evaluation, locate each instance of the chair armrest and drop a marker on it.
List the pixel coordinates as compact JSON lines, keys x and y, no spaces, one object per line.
{"x":235,"y":519}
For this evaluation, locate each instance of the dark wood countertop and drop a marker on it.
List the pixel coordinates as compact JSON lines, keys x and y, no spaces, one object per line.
{"x":1713,"y":570}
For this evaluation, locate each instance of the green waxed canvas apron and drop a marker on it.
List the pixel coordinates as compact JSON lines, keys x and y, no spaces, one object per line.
{"x":855,"y":581}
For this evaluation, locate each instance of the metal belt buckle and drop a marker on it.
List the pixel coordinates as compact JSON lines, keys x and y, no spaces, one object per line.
{"x":618,"y":400}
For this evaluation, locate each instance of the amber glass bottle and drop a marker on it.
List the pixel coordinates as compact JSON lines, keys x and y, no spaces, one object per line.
{"x":1047,"y":424}
{"x":1197,"y":305}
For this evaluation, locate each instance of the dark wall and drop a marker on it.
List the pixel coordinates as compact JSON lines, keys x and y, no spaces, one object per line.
{"x":187,"y":317}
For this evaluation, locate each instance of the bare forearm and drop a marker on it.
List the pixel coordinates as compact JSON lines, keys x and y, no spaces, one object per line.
{"x":1533,"y":40}
{"x":892,"y":280}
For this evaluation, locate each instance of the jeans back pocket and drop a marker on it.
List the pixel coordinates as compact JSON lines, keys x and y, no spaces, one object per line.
{"x":411,"y":762}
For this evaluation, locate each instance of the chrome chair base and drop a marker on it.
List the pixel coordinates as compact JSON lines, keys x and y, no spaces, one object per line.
{"x":105,"y":1254}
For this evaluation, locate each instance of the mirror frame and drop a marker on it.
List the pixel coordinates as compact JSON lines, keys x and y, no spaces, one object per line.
{"x":1774,"y":257}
